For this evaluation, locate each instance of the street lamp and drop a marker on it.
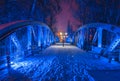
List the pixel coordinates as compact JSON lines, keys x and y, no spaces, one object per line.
{"x":63,"y":37}
{"x":61,"y":33}
{"x":66,"y":34}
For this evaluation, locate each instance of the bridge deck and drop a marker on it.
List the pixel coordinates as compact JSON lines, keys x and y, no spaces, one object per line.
{"x":58,"y":63}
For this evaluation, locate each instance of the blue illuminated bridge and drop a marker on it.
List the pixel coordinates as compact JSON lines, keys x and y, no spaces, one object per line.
{"x":29,"y":52}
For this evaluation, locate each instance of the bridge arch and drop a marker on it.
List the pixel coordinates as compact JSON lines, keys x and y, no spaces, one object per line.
{"x":24,"y":38}
{"x":6,"y":29}
{"x":97,"y":37}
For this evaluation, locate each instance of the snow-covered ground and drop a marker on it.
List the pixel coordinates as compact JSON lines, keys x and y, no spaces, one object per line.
{"x":58,"y":63}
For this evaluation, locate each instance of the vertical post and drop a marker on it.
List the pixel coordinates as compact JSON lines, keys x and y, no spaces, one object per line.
{"x":87,"y":40}
{"x":51,"y":39}
{"x":10,"y":45}
{"x":42,"y":40}
{"x":45,"y":36}
{"x":63,"y":40}
{"x":8,"y":50}
{"x":29,"y":36}
{"x":82,"y":38}
{"x":77,"y":38}
{"x":17,"y":44}
{"x":39,"y":35}
{"x":100,"y":37}
{"x":47,"y":39}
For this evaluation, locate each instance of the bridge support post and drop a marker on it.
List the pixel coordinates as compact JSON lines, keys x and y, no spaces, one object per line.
{"x":39,"y":35}
{"x":48,"y":37}
{"x":100,"y":37}
{"x":82,"y":38}
{"x":29,"y":36}
{"x":45,"y":36}
{"x":17,"y":44}
{"x":8,"y":51}
{"x":51,"y":38}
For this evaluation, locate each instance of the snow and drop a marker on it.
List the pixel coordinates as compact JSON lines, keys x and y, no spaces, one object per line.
{"x":58,"y":63}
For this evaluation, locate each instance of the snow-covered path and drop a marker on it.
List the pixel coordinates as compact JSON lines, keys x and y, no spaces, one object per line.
{"x":58,"y":63}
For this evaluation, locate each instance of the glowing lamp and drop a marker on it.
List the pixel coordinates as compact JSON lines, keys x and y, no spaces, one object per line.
{"x":60,"y":33}
{"x":65,"y":33}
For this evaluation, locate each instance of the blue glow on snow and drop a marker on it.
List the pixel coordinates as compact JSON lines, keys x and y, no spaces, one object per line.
{"x":16,"y":65}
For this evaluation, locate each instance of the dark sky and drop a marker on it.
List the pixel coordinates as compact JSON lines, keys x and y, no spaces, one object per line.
{"x":83,"y":12}
{"x":66,"y":15}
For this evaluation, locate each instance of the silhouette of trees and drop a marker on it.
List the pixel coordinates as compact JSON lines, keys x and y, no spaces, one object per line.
{"x":105,"y":11}
{"x":39,"y":10}
{"x":69,"y":30}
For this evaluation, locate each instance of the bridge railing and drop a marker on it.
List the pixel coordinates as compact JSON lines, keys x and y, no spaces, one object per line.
{"x":24,"y":40}
{"x":97,"y":37}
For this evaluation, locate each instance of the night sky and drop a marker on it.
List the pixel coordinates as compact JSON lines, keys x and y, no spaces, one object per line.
{"x":66,"y":15}
{"x":57,"y":13}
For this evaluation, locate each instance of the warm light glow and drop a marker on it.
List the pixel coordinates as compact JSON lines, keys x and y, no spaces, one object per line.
{"x":60,"y":33}
{"x":65,"y":33}
{"x":63,"y":36}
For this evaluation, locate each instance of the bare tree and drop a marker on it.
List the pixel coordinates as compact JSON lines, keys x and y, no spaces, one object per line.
{"x":106,"y":11}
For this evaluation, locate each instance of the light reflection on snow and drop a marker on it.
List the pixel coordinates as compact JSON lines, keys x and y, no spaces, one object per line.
{"x":59,"y":63}
{"x":60,"y":45}
{"x":16,"y":65}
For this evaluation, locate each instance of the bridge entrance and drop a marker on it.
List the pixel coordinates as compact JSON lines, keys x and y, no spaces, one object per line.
{"x":28,"y":49}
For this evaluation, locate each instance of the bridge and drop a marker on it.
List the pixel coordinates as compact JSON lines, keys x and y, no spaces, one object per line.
{"x":29,"y":49}
{"x":101,"y":38}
